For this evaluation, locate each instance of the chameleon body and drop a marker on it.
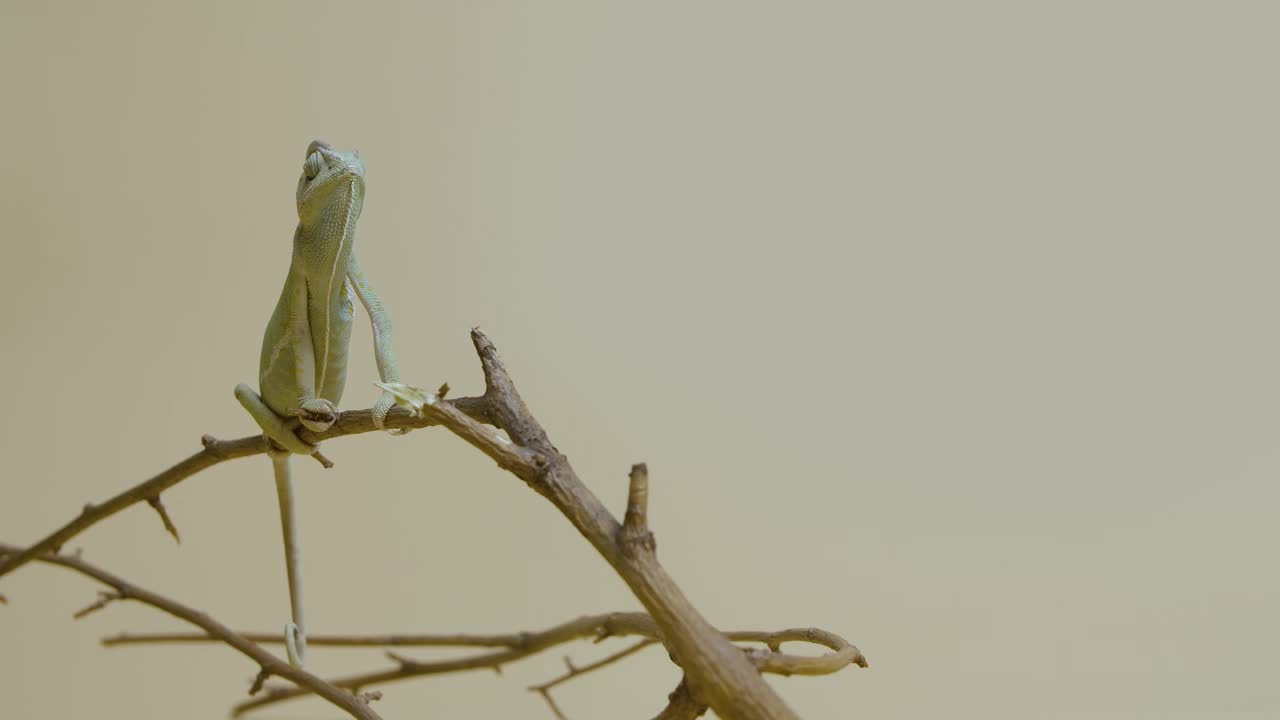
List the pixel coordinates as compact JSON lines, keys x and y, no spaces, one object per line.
{"x":303,"y":367}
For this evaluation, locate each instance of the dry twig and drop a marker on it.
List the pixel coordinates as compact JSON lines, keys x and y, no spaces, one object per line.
{"x":717,"y":671}
{"x":520,"y":645}
{"x":350,"y":422}
{"x":572,"y":671}
{"x":516,"y":646}
{"x":269,"y":664}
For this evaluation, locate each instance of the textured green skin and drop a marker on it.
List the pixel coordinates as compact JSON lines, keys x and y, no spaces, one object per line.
{"x":303,"y":368}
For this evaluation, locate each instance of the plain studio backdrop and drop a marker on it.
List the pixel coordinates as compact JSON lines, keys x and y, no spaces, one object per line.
{"x":948,"y":327}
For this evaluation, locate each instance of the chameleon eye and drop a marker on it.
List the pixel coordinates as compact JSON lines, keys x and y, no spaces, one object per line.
{"x":312,"y":167}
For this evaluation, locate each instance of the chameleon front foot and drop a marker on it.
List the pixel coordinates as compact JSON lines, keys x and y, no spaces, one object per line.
{"x":382,"y":408}
{"x":317,"y":414}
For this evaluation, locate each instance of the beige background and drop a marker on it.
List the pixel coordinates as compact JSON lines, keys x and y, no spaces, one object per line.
{"x":950,"y":327}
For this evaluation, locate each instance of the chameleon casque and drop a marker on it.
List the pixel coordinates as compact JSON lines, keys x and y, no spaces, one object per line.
{"x":304,"y":350}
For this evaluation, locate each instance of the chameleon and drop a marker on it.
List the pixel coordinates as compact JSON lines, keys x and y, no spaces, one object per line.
{"x":303,"y":368}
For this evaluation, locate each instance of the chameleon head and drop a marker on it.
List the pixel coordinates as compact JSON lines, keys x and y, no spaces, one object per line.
{"x":331,"y":188}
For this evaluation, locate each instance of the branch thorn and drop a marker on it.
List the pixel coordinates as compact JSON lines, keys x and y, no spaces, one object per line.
{"x":401,"y":660}
{"x":158,"y":506}
{"x":258,"y":681}
{"x":105,"y":597}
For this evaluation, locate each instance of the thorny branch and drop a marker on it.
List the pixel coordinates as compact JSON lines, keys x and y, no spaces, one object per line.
{"x":521,"y":645}
{"x":515,"y":646}
{"x":350,"y":422}
{"x":572,"y":671}
{"x":717,"y":673}
{"x":353,"y":704}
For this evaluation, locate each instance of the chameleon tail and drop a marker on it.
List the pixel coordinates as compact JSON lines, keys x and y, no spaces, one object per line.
{"x":295,"y":638}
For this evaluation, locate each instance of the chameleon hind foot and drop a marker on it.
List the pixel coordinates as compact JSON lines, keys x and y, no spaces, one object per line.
{"x":382,"y":408}
{"x":278,"y":429}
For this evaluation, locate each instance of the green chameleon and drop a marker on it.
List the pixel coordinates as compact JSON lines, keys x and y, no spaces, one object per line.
{"x":304,"y":350}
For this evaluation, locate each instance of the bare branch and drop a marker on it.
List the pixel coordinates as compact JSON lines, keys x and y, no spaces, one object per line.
{"x":104,"y":598}
{"x":716,"y":669}
{"x":551,"y":703}
{"x":509,"y":456}
{"x":597,"y":627}
{"x":350,"y":422}
{"x":506,"y":409}
{"x":574,"y":671}
{"x":777,"y":662}
{"x":392,"y":640}
{"x":269,"y":664}
{"x":520,"y":645}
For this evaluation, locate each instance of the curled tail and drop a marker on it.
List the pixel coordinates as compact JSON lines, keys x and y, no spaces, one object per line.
{"x":294,"y":636}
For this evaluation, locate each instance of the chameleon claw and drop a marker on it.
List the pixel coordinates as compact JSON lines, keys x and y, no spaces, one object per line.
{"x":295,"y":644}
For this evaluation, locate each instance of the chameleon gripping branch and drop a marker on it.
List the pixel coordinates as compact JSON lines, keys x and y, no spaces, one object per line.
{"x":351,"y":422}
